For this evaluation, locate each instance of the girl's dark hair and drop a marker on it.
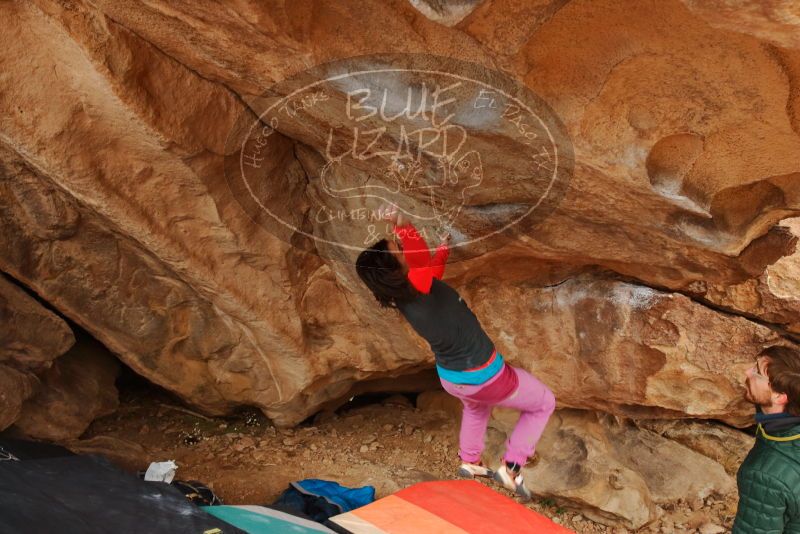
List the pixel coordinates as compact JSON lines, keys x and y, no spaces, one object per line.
{"x":383,"y":274}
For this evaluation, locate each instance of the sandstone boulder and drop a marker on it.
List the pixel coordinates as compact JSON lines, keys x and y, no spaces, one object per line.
{"x":624,"y":348}
{"x":119,"y":213}
{"x":776,"y":21}
{"x":30,"y":339}
{"x":32,"y":336}
{"x":724,"y":445}
{"x":774,"y":296}
{"x":15,"y":388}
{"x":613,"y":472}
{"x":76,"y":390}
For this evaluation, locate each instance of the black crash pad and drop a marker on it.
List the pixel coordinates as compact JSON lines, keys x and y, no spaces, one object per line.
{"x":87,"y":495}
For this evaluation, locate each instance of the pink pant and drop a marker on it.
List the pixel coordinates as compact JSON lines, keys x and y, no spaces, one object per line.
{"x":533,"y":399}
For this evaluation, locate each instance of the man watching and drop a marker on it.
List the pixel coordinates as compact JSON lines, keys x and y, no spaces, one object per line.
{"x":769,"y":478}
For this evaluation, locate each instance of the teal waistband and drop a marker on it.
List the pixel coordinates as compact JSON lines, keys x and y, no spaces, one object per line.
{"x":471,"y":377}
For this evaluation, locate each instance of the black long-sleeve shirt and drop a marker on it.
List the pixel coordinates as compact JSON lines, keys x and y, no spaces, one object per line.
{"x":445,"y":321}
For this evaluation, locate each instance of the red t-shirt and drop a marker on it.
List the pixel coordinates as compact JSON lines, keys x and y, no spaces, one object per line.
{"x":422,"y":268}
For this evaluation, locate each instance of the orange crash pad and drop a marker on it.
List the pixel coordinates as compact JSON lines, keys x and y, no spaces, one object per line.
{"x":446,"y":507}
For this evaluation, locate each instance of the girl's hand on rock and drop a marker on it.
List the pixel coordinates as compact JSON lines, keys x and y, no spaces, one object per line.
{"x":388,"y":212}
{"x":391,"y":213}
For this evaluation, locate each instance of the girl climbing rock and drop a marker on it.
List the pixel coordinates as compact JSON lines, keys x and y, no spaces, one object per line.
{"x":402,"y":274}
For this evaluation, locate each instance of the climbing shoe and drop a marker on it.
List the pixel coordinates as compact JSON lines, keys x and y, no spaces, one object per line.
{"x":511,"y":479}
{"x":468,"y":470}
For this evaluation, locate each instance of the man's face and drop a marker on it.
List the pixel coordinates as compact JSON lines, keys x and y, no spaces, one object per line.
{"x":757,"y":388}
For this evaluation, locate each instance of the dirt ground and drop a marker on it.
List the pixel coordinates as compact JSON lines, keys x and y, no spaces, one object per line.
{"x":385,"y":442}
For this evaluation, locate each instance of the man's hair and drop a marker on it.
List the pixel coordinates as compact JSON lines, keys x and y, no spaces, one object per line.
{"x":383,"y":274}
{"x":783,"y":370}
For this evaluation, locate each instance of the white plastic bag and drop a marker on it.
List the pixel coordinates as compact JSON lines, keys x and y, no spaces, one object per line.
{"x":161,"y":471}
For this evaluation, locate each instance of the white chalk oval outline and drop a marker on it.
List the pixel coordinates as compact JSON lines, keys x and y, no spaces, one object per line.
{"x":293,"y":228}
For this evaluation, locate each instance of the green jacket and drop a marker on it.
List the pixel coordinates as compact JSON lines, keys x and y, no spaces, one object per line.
{"x":769,"y":482}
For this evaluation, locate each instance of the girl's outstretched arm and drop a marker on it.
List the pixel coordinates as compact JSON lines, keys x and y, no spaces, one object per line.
{"x":421,"y":267}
